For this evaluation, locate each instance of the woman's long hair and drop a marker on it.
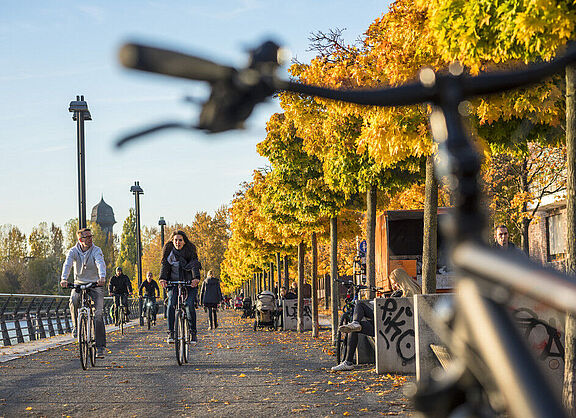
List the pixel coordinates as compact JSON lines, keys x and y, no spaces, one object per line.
{"x":188,"y":246}
{"x":408,"y":285}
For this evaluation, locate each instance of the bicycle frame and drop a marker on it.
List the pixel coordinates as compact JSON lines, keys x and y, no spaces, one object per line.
{"x":182,"y":342}
{"x":483,"y":330}
{"x":85,"y":315}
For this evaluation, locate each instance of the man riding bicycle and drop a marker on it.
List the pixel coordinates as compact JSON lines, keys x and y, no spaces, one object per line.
{"x":89,"y":267}
{"x":120,"y":287}
{"x":149,"y":287}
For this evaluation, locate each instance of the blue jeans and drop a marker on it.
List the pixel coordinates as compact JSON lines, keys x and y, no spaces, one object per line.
{"x":172,"y":294}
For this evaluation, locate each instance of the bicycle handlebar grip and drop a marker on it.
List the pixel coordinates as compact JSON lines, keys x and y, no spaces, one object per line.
{"x":172,"y":63}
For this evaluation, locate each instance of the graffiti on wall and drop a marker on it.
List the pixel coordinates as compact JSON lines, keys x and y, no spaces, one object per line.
{"x":543,"y":336}
{"x":290,"y":314}
{"x":396,"y":329}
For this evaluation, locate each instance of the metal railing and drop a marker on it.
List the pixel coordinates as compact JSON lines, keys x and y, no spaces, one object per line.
{"x":25,"y":317}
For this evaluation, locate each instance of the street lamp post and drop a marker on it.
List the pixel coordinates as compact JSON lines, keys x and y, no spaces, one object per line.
{"x":81,"y":113}
{"x":137,"y":191}
{"x":162,"y":224}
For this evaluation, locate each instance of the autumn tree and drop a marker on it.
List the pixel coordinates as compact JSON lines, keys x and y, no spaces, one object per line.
{"x":514,"y":181}
{"x":70,"y":229}
{"x":39,"y":241}
{"x":383,"y":140}
{"x":479,"y":33}
{"x":13,"y":251}
{"x":210,"y":234}
{"x":127,"y":258}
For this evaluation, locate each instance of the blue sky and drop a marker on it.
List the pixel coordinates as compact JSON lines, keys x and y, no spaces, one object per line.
{"x":51,"y":51}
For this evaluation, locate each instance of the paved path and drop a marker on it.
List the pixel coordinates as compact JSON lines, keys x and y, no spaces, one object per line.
{"x":234,"y":372}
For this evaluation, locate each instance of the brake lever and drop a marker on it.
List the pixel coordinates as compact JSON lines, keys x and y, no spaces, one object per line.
{"x":169,"y":125}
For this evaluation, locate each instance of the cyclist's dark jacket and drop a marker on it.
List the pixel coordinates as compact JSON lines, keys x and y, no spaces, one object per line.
{"x":210,"y":292}
{"x":189,"y":267}
{"x":120,"y":285}
{"x":149,"y":288}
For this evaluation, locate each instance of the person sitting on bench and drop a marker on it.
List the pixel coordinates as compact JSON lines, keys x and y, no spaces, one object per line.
{"x":362,"y":322}
{"x":363,"y":316}
{"x":403,"y":284}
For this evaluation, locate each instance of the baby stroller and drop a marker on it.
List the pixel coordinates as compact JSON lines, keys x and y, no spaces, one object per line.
{"x":266,"y":313}
{"x":247,"y":307}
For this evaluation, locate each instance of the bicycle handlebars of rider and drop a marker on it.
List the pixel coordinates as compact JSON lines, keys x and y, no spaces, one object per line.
{"x":261,"y":72}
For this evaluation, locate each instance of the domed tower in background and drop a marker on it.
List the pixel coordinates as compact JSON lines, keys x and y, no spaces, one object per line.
{"x":103,"y":215}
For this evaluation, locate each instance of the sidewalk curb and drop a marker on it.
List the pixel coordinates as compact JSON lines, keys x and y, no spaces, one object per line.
{"x":20,"y":350}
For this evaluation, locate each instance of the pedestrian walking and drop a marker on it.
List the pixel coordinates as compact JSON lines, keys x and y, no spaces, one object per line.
{"x":210,"y":297}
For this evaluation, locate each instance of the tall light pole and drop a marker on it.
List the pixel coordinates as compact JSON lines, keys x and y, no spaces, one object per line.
{"x":137,"y":191}
{"x":162,"y":224}
{"x":81,"y":113}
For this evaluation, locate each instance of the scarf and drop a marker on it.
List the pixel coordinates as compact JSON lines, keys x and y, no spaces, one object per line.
{"x":177,"y":256}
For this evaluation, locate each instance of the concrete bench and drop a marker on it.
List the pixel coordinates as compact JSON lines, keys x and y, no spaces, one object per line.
{"x":366,"y":350}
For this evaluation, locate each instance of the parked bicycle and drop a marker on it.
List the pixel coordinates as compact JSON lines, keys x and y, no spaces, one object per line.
{"x":182,"y":331}
{"x":492,"y":370}
{"x":352,"y":297}
{"x":85,"y":326}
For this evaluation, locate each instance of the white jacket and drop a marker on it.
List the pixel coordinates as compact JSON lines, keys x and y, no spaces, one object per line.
{"x":89,"y":265}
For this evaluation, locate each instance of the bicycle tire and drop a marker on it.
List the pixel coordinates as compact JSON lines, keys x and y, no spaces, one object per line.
{"x":83,"y":341}
{"x":92,"y":343}
{"x":121,"y":320}
{"x":178,"y":338}
{"x":117,"y":316}
{"x":341,"y":341}
{"x":148,"y":317}
{"x":187,"y":339}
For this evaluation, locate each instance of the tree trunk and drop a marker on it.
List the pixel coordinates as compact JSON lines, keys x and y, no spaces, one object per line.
{"x":286,"y":264}
{"x":430,"y":246}
{"x":279,"y":274}
{"x":327,"y":290}
{"x":371,"y":238}
{"x":525,"y":221}
{"x":569,"y":390}
{"x":271,"y":277}
{"x":315,"y":323}
{"x":334,"y":288}
{"x":301,"y":251}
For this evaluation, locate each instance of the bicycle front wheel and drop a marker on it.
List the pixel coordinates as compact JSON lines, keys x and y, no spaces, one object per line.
{"x":341,"y":341}
{"x":83,"y":340}
{"x":121,"y":320}
{"x":187,"y":340}
{"x":179,"y":337}
{"x":149,"y":317}
{"x":92,"y":342}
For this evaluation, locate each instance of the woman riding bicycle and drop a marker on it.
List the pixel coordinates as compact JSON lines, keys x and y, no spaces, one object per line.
{"x":180,"y":263}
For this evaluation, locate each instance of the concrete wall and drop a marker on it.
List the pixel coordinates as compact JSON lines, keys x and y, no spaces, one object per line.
{"x":290,"y":314}
{"x":542,"y":326}
{"x":544,"y":329}
{"x":395,"y":336}
{"x":426,"y":360}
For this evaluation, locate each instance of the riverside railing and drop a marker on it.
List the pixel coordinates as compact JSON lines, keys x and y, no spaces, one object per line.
{"x":25,"y":317}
